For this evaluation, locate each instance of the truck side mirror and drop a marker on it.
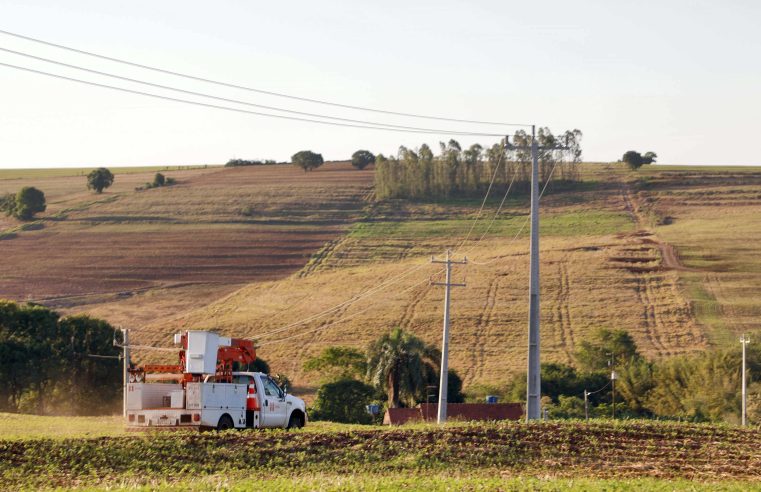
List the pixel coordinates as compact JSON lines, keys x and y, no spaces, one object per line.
{"x":285,"y":389}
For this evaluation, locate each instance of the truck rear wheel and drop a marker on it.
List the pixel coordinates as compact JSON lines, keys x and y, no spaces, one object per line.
{"x":296,"y":421}
{"x":225,"y":422}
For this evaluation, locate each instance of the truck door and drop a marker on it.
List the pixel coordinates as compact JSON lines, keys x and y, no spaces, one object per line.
{"x":274,"y":409}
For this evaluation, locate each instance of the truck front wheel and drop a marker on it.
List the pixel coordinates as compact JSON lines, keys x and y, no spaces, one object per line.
{"x":296,"y":421}
{"x":225,"y":422}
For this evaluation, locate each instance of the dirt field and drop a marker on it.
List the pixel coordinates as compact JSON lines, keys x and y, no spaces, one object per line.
{"x":178,"y":246}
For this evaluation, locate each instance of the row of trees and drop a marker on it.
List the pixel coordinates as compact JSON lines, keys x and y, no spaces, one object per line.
{"x":46,"y":362}
{"x":245,"y":162}
{"x":396,"y":370}
{"x":455,"y":171}
{"x":704,"y":387}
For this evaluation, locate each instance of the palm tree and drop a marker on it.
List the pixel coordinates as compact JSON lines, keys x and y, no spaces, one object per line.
{"x":403,"y":365}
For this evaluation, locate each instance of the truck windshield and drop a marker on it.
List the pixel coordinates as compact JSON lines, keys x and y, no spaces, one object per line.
{"x":271,"y":388}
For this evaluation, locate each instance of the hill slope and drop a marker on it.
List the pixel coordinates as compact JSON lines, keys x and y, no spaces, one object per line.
{"x":665,"y":253}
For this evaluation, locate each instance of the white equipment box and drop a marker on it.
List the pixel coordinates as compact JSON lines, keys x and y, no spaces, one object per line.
{"x":201,"y":354}
{"x":149,"y":395}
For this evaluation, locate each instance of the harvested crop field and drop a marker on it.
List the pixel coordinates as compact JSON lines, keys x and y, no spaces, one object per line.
{"x":599,"y":450}
{"x":203,"y":237}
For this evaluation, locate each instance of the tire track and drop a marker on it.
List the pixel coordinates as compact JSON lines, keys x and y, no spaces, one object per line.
{"x":411,"y":309}
{"x":477,"y":349}
{"x":317,"y":336}
{"x":651,"y":321}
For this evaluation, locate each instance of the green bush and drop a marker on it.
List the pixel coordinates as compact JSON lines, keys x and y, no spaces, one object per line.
{"x":25,"y":204}
{"x":344,"y":401}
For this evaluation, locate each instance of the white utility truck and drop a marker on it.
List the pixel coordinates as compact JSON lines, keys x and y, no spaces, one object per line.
{"x":204,"y":392}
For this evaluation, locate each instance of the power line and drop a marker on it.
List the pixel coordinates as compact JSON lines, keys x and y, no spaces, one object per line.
{"x":347,"y":302}
{"x":341,"y":320}
{"x":225,"y":99}
{"x":260,"y":91}
{"x":483,"y":203}
{"x":549,"y":178}
{"x":237,"y":110}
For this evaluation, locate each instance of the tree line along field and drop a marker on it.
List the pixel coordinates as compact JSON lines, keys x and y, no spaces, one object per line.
{"x":633,"y":455}
{"x":132,"y":256}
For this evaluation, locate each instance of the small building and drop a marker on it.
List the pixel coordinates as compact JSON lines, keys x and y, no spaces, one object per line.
{"x":427,"y":412}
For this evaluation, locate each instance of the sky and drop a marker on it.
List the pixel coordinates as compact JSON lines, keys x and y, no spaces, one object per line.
{"x":680,"y":78}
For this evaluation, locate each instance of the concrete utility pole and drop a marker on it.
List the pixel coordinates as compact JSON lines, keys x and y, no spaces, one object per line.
{"x":444,"y":377}
{"x":125,"y":343}
{"x":744,"y":341}
{"x":533,"y":377}
{"x":534,"y":383}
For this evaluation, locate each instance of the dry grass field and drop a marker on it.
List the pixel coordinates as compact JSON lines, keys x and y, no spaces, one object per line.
{"x":599,"y":269}
{"x":666,"y":253}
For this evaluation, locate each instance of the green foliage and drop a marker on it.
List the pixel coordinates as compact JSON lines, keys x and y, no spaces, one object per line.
{"x":336,"y":363}
{"x":649,"y":157}
{"x":307,"y":160}
{"x":568,"y":407}
{"x":362,"y":158}
{"x":24,"y":204}
{"x":159,"y":180}
{"x":99,"y":179}
{"x":633,"y":159}
{"x":454,"y":387}
{"x":560,"y":380}
{"x":337,"y":457}
{"x":454,"y":172}
{"x":260,"y":365}
{"x":344,"y":400}
{"x":8,"y":204}
{"x":402,"y":365}
{"x":606,"y":347}
{"x":45,"y":363}
{"x":244,"y":162}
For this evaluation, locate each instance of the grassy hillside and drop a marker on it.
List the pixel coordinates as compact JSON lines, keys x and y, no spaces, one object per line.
{"x":597,"y":456}
{"x":603,"y":265}
{"x":666,"y":253}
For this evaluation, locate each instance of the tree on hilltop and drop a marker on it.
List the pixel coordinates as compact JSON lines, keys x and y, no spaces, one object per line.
{"x":633,"y":159}
{"x":307,"y":160}
{"x":362,"y":158}
{"x":99,"y":179}
{"x":649,"y":157}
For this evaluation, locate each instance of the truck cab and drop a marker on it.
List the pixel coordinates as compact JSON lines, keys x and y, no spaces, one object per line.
{"x":267,"y":404}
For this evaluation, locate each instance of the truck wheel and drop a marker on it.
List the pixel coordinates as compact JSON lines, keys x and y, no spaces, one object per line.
{"x":225,"y":422}
{"x":296,"y":421}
